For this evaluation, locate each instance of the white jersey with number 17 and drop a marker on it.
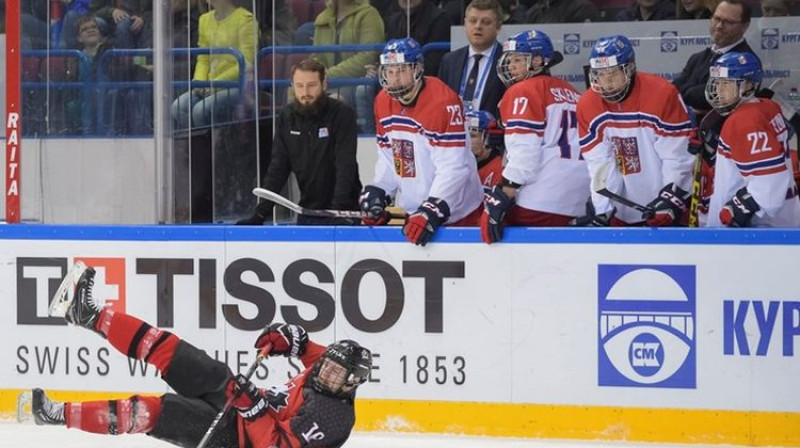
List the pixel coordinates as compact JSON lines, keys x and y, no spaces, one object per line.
{"x":541,"y":139}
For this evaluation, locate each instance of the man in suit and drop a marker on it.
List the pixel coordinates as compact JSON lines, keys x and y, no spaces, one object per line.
{"x":479,"y":86}
{"x":728,"y":25}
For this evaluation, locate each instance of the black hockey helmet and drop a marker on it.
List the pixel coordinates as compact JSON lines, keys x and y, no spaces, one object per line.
{"x":343,"y":367}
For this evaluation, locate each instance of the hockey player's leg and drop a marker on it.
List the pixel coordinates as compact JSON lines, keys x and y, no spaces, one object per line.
{"x":194,"y":374}
{"x":130,"y":336}
{"x":129,"y":416}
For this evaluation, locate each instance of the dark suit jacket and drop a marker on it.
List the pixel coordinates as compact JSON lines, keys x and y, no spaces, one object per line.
{"x":452,"y":69}
{"x":692,"y":80}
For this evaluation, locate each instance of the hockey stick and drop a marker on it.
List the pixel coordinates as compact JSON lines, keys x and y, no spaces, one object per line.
{"x":280,"y":200}
{"x":697,"y":188}
{"x":210,"y":431}
{"x":599,"y":187}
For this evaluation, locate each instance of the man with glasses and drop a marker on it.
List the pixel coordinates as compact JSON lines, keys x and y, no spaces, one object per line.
{"x":728,"y":25}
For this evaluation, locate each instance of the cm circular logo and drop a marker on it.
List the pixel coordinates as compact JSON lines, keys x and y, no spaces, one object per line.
{"x":646,"y":354}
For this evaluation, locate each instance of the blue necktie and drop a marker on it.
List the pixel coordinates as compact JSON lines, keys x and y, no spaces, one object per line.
{"x":472,"y":79}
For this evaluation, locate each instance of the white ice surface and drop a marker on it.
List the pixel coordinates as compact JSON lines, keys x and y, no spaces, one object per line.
{"x":13,"y":435}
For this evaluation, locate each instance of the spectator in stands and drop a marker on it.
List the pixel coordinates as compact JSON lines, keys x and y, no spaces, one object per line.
{"x":93,"y":40}
{"x":455,"y":9}
{"x":694,"y":9}
{"x":226,"y":25}
{"x":283,"y":21}
{"x":385,"y":7}
{"x":429,"y":23}
{"x":564,"y":11}
{"x":471,"y":71}
{"x":348,"y":22}
{"x":315,"y":139}
{"x":728,"y":25}
{"x":643,"y":10}
{"x":131,"y":20}
{"x":513,"y":12}
{"x":34,"y":26}
{"x":184,"y":23}
{"x":776,"y":8}
{"x":73,"y":9}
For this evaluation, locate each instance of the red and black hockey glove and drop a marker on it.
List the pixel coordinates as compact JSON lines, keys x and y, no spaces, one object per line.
{"x":739,"y":211}
{"x":496,"y":205}
{"x":286,"y":339}
{"x":374,"y":201}
{"x":669,"y":206}
{"x":422,"y":224}
{"x":251,"y":402}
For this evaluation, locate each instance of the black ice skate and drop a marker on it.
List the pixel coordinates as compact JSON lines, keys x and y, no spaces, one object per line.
{"x":46,"y":411}
{"x":73,"y":300}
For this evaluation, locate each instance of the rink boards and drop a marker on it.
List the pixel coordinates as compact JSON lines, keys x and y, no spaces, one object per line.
{"x":651,"y":335}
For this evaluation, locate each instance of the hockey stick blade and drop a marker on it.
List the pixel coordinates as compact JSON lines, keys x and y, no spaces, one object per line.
{"x":599,"y":187}
{"x":214,"y":424}
{"x":280,"y":200}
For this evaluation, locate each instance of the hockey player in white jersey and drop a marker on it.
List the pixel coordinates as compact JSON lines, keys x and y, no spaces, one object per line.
{"x":545,"y":182}
{"x":753,"y":179}
{"x":424,"y":161}
{"x":634,"y":127}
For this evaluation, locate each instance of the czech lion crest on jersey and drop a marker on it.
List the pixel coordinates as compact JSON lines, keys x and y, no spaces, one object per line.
{"x":403,"y":154}
{"x":626,"y":153}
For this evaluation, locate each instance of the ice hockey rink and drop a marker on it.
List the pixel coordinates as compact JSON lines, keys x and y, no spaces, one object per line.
{"x":14,"y":435}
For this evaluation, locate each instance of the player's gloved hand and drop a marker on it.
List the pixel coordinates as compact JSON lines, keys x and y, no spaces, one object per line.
{"x":250,"y":402}
{"x":496,"y":205}
{"x":710,"y":128}
{"x":739,"y":211}
{"x":669,"y":206}
{"x":421,"y":225}
{"x":374,"y":201}
{"x":592,"y":219}
{"x":286,"y":339}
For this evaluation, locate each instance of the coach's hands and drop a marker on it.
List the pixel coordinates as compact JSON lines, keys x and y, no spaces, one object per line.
{"x":286,"y":339}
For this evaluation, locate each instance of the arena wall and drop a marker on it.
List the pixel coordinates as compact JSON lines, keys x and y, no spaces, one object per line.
{"x":659,"y":335}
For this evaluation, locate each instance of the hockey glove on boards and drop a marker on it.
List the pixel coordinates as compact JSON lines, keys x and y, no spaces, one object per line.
{"x":496,"y":205}
{"x":251,"y":402}
{"x":422,"y":224}
{"x":739,"y":211}
{"x":669,"y":206}
{"x":286,"y":339}
{"x":592,"y":219}
{"x":374,"y":201}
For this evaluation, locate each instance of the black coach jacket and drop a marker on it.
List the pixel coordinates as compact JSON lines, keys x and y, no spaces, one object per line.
{"x":321,"y":151}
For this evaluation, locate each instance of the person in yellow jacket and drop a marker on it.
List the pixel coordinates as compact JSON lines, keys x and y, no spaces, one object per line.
{"x":225,"y":25}
{"x":350,"y":22}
